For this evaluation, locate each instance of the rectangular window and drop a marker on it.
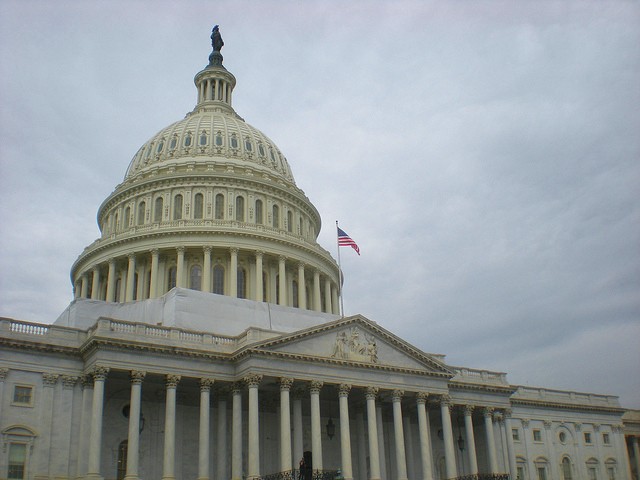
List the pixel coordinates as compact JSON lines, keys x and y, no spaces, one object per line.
{"x":542,"y":473}
{"x":537,"y":436}
{"x":587,"y":438}
{"x":515,"y":433}
{"x":611,"y":473}
{"x":520,"y":474}
{"x":593,"y":473}
{"x":17,"y":460}
{"x":22,"y":395}
{"x":606,"y":439}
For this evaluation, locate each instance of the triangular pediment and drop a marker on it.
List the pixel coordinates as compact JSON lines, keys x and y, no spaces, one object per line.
{"x":354,"y":340}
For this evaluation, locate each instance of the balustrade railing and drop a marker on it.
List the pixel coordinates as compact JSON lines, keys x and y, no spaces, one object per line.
{"x":485,"y":476}
{"x":303,"y":475}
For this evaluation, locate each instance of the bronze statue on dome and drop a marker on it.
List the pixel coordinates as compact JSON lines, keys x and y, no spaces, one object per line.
{"x":216,"y":39}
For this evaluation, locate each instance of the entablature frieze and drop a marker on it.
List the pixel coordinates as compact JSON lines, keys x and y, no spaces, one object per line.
{"x":566,"y":406}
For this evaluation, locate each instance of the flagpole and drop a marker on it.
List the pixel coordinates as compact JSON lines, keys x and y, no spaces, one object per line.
{"x":339,"y":274}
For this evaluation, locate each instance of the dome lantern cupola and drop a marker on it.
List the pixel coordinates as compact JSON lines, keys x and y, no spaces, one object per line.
{"x":215,"y":84}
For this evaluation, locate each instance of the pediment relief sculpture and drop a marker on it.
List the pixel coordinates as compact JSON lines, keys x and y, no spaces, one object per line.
{"x":350,"y":345}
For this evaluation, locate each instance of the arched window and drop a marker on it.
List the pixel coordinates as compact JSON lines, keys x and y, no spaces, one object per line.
{"x":294,"y":294}
{"x":276,"y":216}
{"x":592,"y":469}
{"x":247,"y":144}
{"x":142,"y":206}
{"x":171,"y":278}
{"x":160,"y":146}
{"x":195,"y":278}
{"x":187,"y":140}
{"x":198,"y":205}
{"x":19,"y":440}
{"x":174,"y":143}
{"x":157,"y":211}
{"x":122,"y":459}
{"x":242,"y":283}
{"x":126,"y":221}
{"x":261,"y":150}
{"x":240,"y":209}
{"x":203,"y":138}
{"x":218,"y":139}
{"x":234,"y":141}
{"x":218,"y":279}
{"x":219,"y":206}
{"x":566,"y":469}
{"x":289,"y":221}
{"x":259,"y":212}
{"x":177,"y":207}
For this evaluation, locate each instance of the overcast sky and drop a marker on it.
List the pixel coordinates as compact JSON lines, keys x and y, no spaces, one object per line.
{"x":484,"y":155}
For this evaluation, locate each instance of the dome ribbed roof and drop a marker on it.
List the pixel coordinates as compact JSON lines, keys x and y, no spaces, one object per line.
{"x":207,"y":135}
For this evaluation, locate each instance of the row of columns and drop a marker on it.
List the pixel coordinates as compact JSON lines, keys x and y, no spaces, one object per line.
{"x":93,"y":278}
{"x":287,"y":453}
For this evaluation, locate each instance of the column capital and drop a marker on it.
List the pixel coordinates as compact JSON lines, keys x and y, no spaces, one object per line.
{"x":301,"y":265}
{"x":506,"y":413}
{"x":315,"y":386}
{"x":445,"y":400}
{"x":111,"y":261}
{"x":259,"y":253}
{"x":344,"y":389}
{"x":137,"y":377}
{"x":487,"y":412}
{"x":547,"y":424}
{"x":596,"y":427}
{"x":180,"y":249}
{"x":172,"y":381}
{"x":206,"y":249}
{"x":397,"y":395}
{"x":131,"y":256}
{"x":69,"y":381}
{"x":525,"y":422}
{"x":234,"y":250}
{"x":252,"y":380}
{"x":85,"y":381}
{"x":468,"y":410}
{"x":237,"y":388}
{"x":154,"y":251}
{"x":3,"y":374}
{"x":422,"y":397}
{"x":282,"y":258}
{"x":206,"y":383}
{"x":99,"y":372}
{"x":49,"y":379}
{"x":285,"y":383}
{"x":371,"y":393}
{"x":577,"y":426}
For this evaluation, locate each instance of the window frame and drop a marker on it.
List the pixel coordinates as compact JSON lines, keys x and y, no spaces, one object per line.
{"x":17,"y":403}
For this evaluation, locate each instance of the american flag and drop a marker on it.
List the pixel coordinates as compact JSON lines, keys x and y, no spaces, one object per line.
{"x":345,"y":240}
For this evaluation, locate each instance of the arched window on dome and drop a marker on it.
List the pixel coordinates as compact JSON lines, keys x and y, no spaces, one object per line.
{"x":289,"y":221}
{"x":259,"y":212}
{"x":174,"y":143}
{"x":203,"y":138}
{"x":219,"y":138}
{"x":195,"y":278}
{"x":157,"y":211}
{"x":177,"y":207}
{"x":294,"y":293}
{"x":142,"y":206}
{"x":219,"y":207}
{"x":276,"y":216}
{"x":247,"y":145}
{"x":198,"y":206}
{"x":187,"y":139}
{"x":172,"y":276}
{"x":242,"y":283}
{"x":160,"y":146}
{"x":261,"y":150}
{"x":218,"y":279}
{"x":126,"y":221}
{"x":239,"y":208}
{"x":234,"y":141}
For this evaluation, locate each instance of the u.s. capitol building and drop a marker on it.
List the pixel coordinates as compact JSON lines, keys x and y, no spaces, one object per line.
{"x":205,"y":341}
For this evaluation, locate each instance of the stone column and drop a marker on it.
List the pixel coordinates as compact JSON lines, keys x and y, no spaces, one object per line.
{"x":302,"y":291}
{"x":133,"y":444}
{"x":87,"y":390}
{"x":259,"y":286}
{"x":206,"y":270}
{"x":327,"y":296}
{"x":471,"y":442}
{"x":317,"y":304}
{"x":153,"y":287}
{"x":95,"y":437}
{"x":233,"y":273}
{"x":253,"y":467}
{"x":513,"y":469}
{"x":282,"y":280}
{"x":49,"y":381}
{"x":236,"y":433}
{"x":374,"y":454}
{"x":285,"y":425}
{"x":95,"y":284}
{"x":3,"y":375}
{"x":203,"y":440}
{"x":180,"y":267}
{"x":316,"y":429}
{"x":334,"y":301}
{"x":111,"y":281}
{"x":447,"y":432}
{"x":362,"y":446}
{"x":408,"y":445}
{"x":298,"y":393}
{"x":425,"y":441}
{"x":401,"y":457}
{"x":131,"y":275}
{"x":381,"y":444}
{"x":168,"y":467}
{"x":221,"y":445}
{"x":619,"y":431}
{"x":84,"y":285}
{"x":491,"y":444}
{"x":345,"y":434}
